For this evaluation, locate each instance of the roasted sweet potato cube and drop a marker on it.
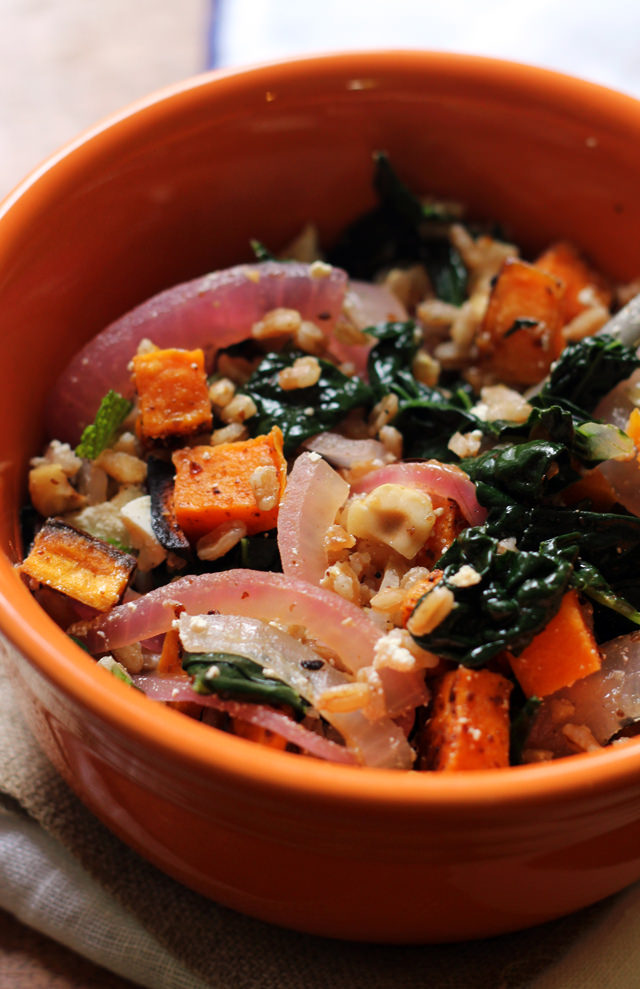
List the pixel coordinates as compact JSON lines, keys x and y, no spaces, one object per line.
{"x":241,"y":481}
{"x":173,"y":399}
{"x":78,"y":565}
{"x":583,"y":285}
{"x":521,"y":334}
{"x":469,"y":726}
{"x":563,"y":652}
{"x":450,"y":522}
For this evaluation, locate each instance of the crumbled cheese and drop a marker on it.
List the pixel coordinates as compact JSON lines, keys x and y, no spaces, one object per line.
{"x":390,"y":651}
{"x":136,"y":516}
{"x":466,"y":576}
{"x":501,"y":402}
{"x":320,"y":269}
{"x":466,"y":444}
{"x":198,"y":624}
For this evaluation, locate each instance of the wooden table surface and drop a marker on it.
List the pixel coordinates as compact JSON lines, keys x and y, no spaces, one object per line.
{"x":63,"y":66}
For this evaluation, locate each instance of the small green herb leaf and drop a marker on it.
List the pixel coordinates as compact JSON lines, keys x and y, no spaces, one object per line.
{"x":261,"y":252}
{"x":521,"y":323}
{"x":100,"y":433}
{"x":117,"y":670}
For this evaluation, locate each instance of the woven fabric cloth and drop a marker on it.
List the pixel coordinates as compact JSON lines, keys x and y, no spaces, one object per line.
{"x":64,"y":874}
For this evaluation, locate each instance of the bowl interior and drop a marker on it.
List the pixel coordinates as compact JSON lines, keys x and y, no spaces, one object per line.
{"x":179,"y":184}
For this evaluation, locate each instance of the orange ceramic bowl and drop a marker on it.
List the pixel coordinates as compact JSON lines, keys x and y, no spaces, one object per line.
{"x":176,"y":186}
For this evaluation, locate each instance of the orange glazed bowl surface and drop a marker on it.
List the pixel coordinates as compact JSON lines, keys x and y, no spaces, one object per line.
{"x":172,"y":188}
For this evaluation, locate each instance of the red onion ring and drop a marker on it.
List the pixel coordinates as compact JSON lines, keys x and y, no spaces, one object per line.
{"x":174,"y":689}
{"x":210,"y":312}
{"x":446,"y":480}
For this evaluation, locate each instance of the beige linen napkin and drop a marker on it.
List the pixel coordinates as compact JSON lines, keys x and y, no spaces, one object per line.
{"x":63,"y":873}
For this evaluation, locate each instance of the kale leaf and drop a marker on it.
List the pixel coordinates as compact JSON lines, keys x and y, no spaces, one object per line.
{"x":586,"y":371}
{"x":401,"y":230}
{"x":239,"y":678}
{"x":518,"y":592}
{"x":524,"y":473}
{"x":427,"y":417}
{"x":301,"y":412}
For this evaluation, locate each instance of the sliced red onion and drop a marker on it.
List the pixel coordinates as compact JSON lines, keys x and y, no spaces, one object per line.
{"x":313,"y":495}
{"x":604,"y":702}
{"x":294,"y":662}
{"x":616,"y":407}
{"x":341,"y":451}
{"x":210,"y":312}
{"x":173,"y":689}
{"x":328,"y":618}
{"x":366,"y":304}
{"x":446,"y":480}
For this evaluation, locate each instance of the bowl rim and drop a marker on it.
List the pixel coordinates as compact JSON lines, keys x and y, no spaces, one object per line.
{"x":178,"y":739}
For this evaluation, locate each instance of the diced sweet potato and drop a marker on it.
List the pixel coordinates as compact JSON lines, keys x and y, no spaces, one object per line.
{"x":450,"y":522}
{"x":563,"y":652}
{"x":172,"y":393}
{"x":583,"y":285}
{"x":593,"y":487}
{"x":256,"y":733}
{"x":469,"y":726}
{"x":633,"y":429}
{"x":241,"y":481}
{"x":521,"y":334}
{"x":78,"y":565}
{"x":170,"y":662}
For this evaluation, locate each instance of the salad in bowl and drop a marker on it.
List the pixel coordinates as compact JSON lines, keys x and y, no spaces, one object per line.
{"x":373,"y":502}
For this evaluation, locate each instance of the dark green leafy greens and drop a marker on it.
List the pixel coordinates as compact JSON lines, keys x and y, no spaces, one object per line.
{"x":401,"y":230}
{"x":239,"y":678}
{"x":428,"y":417}
{"x":517,"y":594}
{"x":302,"y":412}
{"x":520,"y":481}
{"x":99,"y":435}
